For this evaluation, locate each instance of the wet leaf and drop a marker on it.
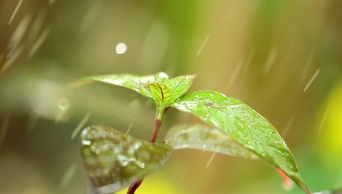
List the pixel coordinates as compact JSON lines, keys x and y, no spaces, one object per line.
{"x":160,"y":93}
{"x":202,"y":137}
{"x":329,"y":192}
{"x":114,"y":160}
{"x":158,"y":87}
{"x":133,"y":82}
{"x":178,"y":86}
{"x":245,"y":126}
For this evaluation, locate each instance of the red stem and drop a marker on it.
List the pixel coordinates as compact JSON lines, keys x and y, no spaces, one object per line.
{"x":134,"y":186}
{"x":157,"y":123}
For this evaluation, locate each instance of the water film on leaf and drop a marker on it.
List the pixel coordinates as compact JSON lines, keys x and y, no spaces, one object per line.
{"x":247,"y":127}
{"x":158,"y":87}
{"x":114,"y":160}
{"x":202,"y":137}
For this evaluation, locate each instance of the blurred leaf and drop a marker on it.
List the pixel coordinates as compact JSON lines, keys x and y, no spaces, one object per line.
{"x":328,"y":140}
{"x":114,"y":160}
{"x":329,"y":192}
{"x":245,"y":126}
{"x":158,"y":87}
{"x":287,"y":181}
{"x":202,"y":137}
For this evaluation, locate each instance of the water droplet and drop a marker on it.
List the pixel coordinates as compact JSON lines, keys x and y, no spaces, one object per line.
{"x":40,"y":40}
{"x":15,"y":11}
{"x":91,"y":15}
{"x":236,"y":72}
{"x":86,"y":142}
{"x":324,"y":118}
{"x":36,"y":25}
{"x":287,"y":127}
{"x":210,"y":160}
{"x":80,"y":125}
{"x":129,"y":128}
{"x":117,"y":81}
{"x":312,"y":79}
{"x":306,"y":68}
{"x":121,"y":48}
{"x":270,"y":60}
{"x":163,"y":75}
{"x":202,"y":45}
{"x":68,"y":175}
{"x":19,"y":33}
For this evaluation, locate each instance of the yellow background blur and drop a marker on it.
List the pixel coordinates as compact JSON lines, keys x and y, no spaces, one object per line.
{"x":283,"y":58}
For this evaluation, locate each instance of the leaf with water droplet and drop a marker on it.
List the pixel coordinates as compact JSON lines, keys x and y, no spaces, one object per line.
{"x":247,"y":127}
{"x":202,"y":137}
{"x":158,"y":87}
{"x":133,"y":82}
{"x":114,"y":160}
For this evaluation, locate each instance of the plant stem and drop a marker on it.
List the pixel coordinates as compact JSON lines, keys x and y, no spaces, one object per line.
{"x":158,"y":120}
{"x":157,"y":124}
{"x":134,"y":186}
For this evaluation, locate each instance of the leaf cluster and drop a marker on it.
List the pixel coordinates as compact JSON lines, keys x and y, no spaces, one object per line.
{"x":236,"y":130}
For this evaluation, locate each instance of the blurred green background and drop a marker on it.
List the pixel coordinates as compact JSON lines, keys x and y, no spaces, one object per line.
{"x":283,"y":58}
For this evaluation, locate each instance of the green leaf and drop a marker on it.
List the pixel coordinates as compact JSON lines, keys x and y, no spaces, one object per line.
{"x":158,"y":87}
{"x":202,"y":137}
{"x":339,"y":191}
{"x":245,"y":126}
{"x":178,"y":86}
{"x":114,"y":160}
{"x":133,"y":82}
{"x":160,"y":93}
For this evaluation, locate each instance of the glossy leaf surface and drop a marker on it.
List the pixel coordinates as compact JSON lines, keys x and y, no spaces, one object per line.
{"x":245,"y":126}
{"x":329,"y":192}
{"x":158,"y":87}
{"x":178,"y":86}
{"x":114,"y":160}
{"x":202,"y":137}
{"x":160,"y":93}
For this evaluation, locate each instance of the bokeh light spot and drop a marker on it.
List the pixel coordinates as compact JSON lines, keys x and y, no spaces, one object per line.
{"x":121,"y":48}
